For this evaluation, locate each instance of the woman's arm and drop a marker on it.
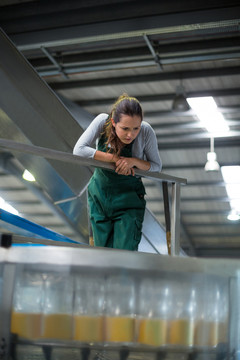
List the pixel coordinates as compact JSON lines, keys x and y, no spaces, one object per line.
{"x":107,"y":157}
{"x":150,"y":148}
{"x":86,"y":144}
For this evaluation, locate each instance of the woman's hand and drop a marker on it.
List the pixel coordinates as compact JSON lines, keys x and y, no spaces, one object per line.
{"x":124,"y":166}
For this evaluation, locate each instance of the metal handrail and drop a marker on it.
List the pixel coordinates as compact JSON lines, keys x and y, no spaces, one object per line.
{"x":63,"y":156}
{"x":173,"y":242}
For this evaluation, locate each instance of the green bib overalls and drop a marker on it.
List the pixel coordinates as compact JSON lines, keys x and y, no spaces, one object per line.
{"x":116,"y":206}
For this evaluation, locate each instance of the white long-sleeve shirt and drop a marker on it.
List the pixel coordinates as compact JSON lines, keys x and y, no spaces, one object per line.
{"x":144,"y":146}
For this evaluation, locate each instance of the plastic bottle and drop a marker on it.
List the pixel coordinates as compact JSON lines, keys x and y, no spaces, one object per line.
{"x":26,"y":319}
{"x":153,"y":312}
{"x":89,"y":308}
{"x":58,"y":302}
{"x":120,"y":310}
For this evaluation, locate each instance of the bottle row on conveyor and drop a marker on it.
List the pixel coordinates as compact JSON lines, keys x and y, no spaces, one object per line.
{"x":180,"y":310}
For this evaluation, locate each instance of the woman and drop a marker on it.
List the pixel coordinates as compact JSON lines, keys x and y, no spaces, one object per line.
{"x":116,"y":199}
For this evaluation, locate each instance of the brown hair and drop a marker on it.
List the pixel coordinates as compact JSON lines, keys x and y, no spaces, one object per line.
{"x":125,"y":105}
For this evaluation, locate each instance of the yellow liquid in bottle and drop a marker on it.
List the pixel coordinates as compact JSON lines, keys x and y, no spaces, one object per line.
{"x":152,"y":332}
{"x":57,"y":326}
{"x":210,"y":333}
{"x":119,"y":329}
{"x":27,"y":325}
{"x":88,"y":328}
{"x":181,"y":332}
{"x":223,"y":332}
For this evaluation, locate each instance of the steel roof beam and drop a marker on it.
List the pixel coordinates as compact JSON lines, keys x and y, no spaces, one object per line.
{"x":140,"y":62}
{"x":195,"y":124}
{"x":54,"y":62}
{"x":195,"y":166}
{"x":200,"y":57}
{"x":163,"y":76}
{"x":179,"y":144}
{"x":61,"y":33}
{"x":132,"y":50}
{"x":169,"y":113}
{"x":20,"y":10}
{"x":164,"y":97}
{"x":195,"y":134}
{"x":124,"y":63}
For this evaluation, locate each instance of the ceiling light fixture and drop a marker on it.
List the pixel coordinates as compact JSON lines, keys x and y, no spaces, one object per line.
{"x":180,"y":102}
{"x":28,"y":176}
{"x":207,"y":112}
{"x":231,"y":176}
{"x":212,"y":164}
{"x":233,"y":216}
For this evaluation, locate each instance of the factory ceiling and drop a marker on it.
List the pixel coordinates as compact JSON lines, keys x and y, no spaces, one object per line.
{"x":88,"y":53}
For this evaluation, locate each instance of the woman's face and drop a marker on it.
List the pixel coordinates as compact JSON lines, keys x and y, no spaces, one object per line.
{"x":128,"y":127}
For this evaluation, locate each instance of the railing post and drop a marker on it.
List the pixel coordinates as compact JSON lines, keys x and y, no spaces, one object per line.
{"x":8,"y":281}
{"x":175,"y":219}
{"x":167,"y":215}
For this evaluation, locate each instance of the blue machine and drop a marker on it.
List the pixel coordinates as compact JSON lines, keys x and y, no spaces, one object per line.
{"x":19,"y":225}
